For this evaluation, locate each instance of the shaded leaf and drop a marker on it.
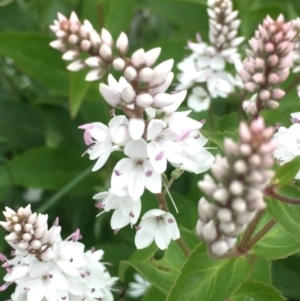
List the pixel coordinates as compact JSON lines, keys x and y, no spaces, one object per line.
{"x":251,"y":290}
{"x":203,"y":278}
{"x":286,"y":173}
{"x":261,"y":270}
{"x":218,"y":137}
{"x":154,"y":294}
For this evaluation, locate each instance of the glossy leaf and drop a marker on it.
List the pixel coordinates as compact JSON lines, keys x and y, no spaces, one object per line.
{"x":203,"y":278}
{"x":261,"y":270}
{"x":218,"y":137}
{"x":287,"y":172}
{"x":47,"y":168}
{"x":286,"y":214}
{"x":154,"y":294}
{"x":32,"y":52}
{"x":277,"y":243}
{"x":251,"y":290}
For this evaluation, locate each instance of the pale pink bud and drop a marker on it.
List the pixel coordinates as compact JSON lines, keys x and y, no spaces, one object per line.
{"x":259,"y":78}
{"x":144,"y":100}
{"x":273,"y":79}
{"x":28,"y":227}
{"x":73,"y":39}
{"x":130,"y":73}
{"x":110,"y":96}
{"x":54,"y":235}
{"x":224,"y":215}
{"x":219,"y":247}
{"x":245,"y":75}
{"x":227,"y":228}
{"x":199,"y":227}
{"x":271,"y":105}
{"x":17,"y":228}
{"x":285,"y":62}
{"x":209,"y":231}
{"x":162,"y":100}
{"x":221,"y":195}
{"x":122,"y":43}
{"x":95,"y":39}
{"x":231,"y":16}
{"x":236,"y":188}
{"x":161,"y":72}
{"x":264,"y":95}
{"x":36,"y":244}
{"x":151,"y":56}
{"x":74,"y":18}
{"x":23,"y":245}
{"x":41,"y":220}
{"x":260,"y":63}
{"x":128,"y":94}
{"x":106,"y":38}
{"x":145,"y":74}
{"x":235,"y":24}
{"x":273,"y":60}
{"x":93,"y":62}
{"x":60,"y":34}
{"x":269,"y":47}
{"x":119,"y":64}
{"x":251,"y":87}
{"x":76,"y":66}
{"x":136,"y":128}
{"x":239,"y":205}
{"x":208,"y":187}
{"x":283,"y":74}
{"x":105,"y":52}
{"x":85,"y":45}
{"x":26,"y":237}
{"x":6,"y":226}
{"x":244,"y":132}
{"x":240,"y":167}
{"x":58,"y":44}
{"x":244,"y":217}
{"x":95,"y":74}
{"x":70,"y":55}
{"x":11,"y":237}
{"x":39,"y":232}
{"x":137,"y":58}
{"x":277,"y":93}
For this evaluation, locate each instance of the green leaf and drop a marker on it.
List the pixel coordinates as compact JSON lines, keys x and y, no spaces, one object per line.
{"x":78,"y":90}
{"x":287,"y":172}
{"x":251,"y":290}
{"x":21,"y":124}
{"x":285,"y":270}
{"x":203,"y":278}
{"x":191,"y":16}
{"x":48,"y":169}
{"x":261,"y":270}
{"x":218,"y":137}
{"x":118,"y":16}
{"x":286,"y":214}
{"x":163,"y":272}
{"x":5,"y":2}
{"x":154,"y":294}
{"x":277,"y":243}
{"x":32,"y":52}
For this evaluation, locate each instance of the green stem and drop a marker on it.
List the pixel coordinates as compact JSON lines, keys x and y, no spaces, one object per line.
{"x":59,"y":194}
{"x":243,"y":245}
{"x":211,"y":118}
{"x":183,"y":246}
{"x":293,"y":85}
{"x":269,"y":191}
{"x":261,"y":233}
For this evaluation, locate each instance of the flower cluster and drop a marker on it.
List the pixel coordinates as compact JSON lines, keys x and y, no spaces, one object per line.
{"x":151,"y":133}
{"x":236,"y":188}
{"x":47,"y":268}
{"x":287,"y":140}
{"x":268,"y":64}
{"x":207,"y":63}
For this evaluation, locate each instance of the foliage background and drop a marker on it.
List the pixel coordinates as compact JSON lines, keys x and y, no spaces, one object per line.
{"x":42,"y":104}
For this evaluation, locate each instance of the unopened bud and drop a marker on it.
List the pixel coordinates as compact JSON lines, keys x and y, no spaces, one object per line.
{"x":144,"y":100}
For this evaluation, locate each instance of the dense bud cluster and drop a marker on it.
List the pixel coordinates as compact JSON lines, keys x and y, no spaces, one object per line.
{"x":205,"y":68}
{"x":29,"y":231}
{"x":268,"y":63}
{"x":236,"y":188}
{"x":47,"y":268}
{"x":296,"y":51}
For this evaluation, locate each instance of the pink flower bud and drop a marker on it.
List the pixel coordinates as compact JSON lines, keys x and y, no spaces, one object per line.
{"x":145,"y":75}
{"x":209,"y":231}
{"x":259,"y":78}
{"x":151,"y":56}
{"x":128,"y":95}
{"x":219,"y":247}
{"x":264,"y":95}
{"x":85,"y":45}
{"x":122,"y":43}
{"x":119,"y":64}
{"x":73,"y":39}
{"x":161,"y":72}
{"x":106,"y":38}
{"x":130,"y":73}
{"x":273,"y":79}
{"x":277,"y":93}
{"x":144,"y":100}
{"x":105,"y":52}
{"x":272,"y":105}
{"x":137,"y":58}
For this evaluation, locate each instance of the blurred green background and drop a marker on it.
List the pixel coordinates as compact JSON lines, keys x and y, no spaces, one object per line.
{"x":41,"y":107}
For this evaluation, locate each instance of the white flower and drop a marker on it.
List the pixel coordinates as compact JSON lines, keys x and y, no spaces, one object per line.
{"x":198,"y":100}
{"x":288,"y":141}
{"x":159,"y":226}
{"x":103,"y":140}
{"x":32,"y":195}
{"x":135,"y":172}
{"x":127,"y":211}
{"x":139,"y":287}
